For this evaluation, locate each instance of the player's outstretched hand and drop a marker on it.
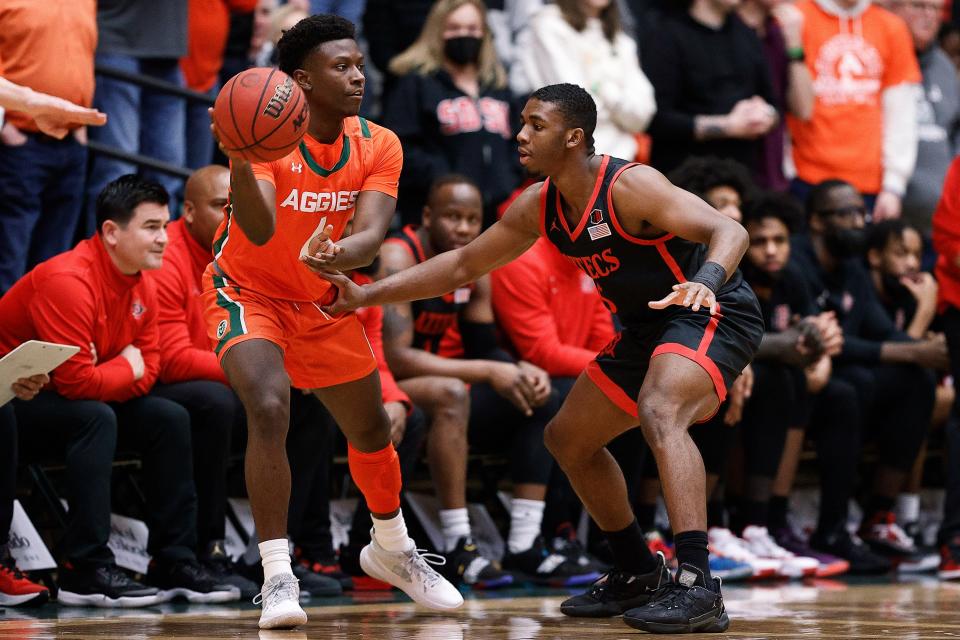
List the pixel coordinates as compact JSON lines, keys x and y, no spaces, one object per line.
{"x":56,"y":117}
{"x":28,"y":388}
{"x":688,"y":294}
{"x":350,"y":295}
{"x":320,"y":253}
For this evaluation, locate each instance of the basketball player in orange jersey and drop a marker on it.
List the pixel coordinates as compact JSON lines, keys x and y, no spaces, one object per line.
{"x":666,"y":263}
{"x":265,"y":317}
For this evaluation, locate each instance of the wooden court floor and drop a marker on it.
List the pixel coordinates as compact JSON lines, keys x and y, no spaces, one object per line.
{"x":919,"y":610}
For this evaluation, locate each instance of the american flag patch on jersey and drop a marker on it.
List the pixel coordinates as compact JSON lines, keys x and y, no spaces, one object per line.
{"x":599,"y":231}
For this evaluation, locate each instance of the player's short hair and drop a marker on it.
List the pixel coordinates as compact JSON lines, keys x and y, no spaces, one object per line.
{"x":817,"y":198}
{"x":881,"y":233}
{"x":772,"y":204}
{"x":698,"y":175}
{"x":308,"y":34}
{"x":120,"y":198}
{"x":574,"y":104}
{"x":448,"y":179}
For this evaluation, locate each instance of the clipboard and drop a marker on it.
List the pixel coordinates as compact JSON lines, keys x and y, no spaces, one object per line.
{"x":29,"y":359}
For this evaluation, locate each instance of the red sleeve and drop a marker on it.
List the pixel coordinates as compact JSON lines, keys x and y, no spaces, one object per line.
{"x":372,"y":319}
{"x":946,"y":218}
{"x":180,"y":360}
{"x":523,"y":312}
{"x":601,"y":329}
{"x":63,"y":311}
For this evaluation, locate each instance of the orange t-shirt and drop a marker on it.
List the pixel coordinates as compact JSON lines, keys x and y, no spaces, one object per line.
{"x":317,"y":184}
{"x":209,"y":24}
{"x":49,"y":47}
{"x":852,"y":61}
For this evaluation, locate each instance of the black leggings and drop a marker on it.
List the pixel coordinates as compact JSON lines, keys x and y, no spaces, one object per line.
{"x":8,"y":470}
{"x":776,"y":404}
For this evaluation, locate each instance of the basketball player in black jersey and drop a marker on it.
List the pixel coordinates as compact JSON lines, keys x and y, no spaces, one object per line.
{"x":666,"y":263}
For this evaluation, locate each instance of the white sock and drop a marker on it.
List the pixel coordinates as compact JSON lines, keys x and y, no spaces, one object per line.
{"x":275,"y":557}
{"x":392,"y":534}
{"x":908,"y":508}
{"x":525,"y":519}
{"x":455,"y":524}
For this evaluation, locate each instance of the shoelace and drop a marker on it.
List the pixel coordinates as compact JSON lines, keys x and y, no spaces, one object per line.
{"x":669,"y":593}
{"x":418,"y":561}
{"x":609,"y":584}
{"x":277,"y":590}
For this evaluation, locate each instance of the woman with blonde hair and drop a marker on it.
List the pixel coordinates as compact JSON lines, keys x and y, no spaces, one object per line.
{"x":582,"y":42}
{"x":452,"y":110}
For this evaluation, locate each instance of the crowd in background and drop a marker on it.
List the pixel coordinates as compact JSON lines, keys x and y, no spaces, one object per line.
{"x":828,"y":128}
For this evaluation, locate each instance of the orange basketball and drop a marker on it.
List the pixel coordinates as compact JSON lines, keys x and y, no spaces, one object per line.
{"x":261,"y":114}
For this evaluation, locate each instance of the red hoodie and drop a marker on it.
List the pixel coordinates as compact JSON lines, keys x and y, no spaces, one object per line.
{"x":946,"y":239}
{"x":550,"y":311}
{"x":186,"y":352}
{"x":81,"y":298}
{"x":372,"y":320}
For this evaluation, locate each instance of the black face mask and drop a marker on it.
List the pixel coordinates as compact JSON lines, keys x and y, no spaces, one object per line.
{"x":894,"y":288}
{"x":462,"y":50}
{"x":845,"y":243}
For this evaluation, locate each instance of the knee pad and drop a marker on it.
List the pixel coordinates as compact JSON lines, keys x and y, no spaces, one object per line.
{"x":377,"y":476}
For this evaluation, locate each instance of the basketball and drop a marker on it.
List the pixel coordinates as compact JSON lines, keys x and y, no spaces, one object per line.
{"x":261,"y":114}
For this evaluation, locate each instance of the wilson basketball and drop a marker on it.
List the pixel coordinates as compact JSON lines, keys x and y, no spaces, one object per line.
{"x":261,"y":114}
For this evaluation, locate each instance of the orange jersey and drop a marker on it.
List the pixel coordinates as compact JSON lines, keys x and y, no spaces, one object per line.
{"x":852,"y":61}
{"x":317,"y":185}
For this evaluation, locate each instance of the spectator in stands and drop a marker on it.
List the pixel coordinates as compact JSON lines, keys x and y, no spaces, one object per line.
{"x":260,"y":27}
{"x":280,"y":20}
{"x":437,"y":346}
{"x":712,"y":83}
{"x":391,"y":27}
{"x":938,"y":111}
{"x":581,"y":42}
{"x":208,"y":24}
{"x":142,"y":37}
{"x":96,"y":297}
{"x":946,"y":241}
{"x":16,"y":588}
{"x":866,"y":79}
{"x":723,"y":183}
{"x":949,"y":39}
{"x":352,"y":10}
{"x":891,"y":372}
{"x":452,"y":110}
{"x":189,"y":372}
{"x":779,"y":24}
{"x":49,"y":48}
{"x":53,"y":116}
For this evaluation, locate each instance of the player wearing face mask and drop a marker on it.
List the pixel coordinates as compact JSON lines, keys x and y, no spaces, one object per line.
{"x":452,"y":110}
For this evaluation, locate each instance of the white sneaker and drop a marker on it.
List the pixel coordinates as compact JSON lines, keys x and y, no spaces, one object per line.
{"x":724,"y":543}
{"x":280,"y":597}
{"x":759,"y":541}
{"x":409,"y":572}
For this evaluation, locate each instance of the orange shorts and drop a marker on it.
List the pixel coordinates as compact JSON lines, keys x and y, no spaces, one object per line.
{"x":319,"y":350}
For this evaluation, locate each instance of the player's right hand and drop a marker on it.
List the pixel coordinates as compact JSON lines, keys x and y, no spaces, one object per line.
{"x":28,"y":388}
{"x":350,"y":295}
{"x":509,"y":381}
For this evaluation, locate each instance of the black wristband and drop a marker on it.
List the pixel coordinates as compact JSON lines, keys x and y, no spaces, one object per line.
{"x":712,"y":275}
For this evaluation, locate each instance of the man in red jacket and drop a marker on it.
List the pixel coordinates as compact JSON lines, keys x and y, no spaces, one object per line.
{"x":189,"y":372}
{"x":95,"y":297}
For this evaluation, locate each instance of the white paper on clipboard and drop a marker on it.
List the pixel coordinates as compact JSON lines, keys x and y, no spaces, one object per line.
{"x":29,"y":359}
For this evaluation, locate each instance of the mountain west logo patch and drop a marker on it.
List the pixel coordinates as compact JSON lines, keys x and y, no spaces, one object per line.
{"x":137,"y":309}
{"x":599,"y":228}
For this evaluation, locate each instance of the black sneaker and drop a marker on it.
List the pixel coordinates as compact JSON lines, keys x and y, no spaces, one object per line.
{"x":842,"y":544}
{"x":326,"y":565}
{"x":543,"y":566}
{"x":465,"y":565}
{"x":316,"y":585}
{"x":103,"y":586}
{"x":688,"y":605}
{"x":220,"y":566}
{"x":191,"y":580}
{"x":616,"y":592}
{"x":572,"y":549}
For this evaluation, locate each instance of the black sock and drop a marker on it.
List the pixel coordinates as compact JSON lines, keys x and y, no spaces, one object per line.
{"x":755,"y":513}
{"x":878,"y":505}
{"x":716,"y":514}
{"x":646,"y":514}
{"x":691,"y":549}
{"x":777,"y":513}
{"x":629,"y":548}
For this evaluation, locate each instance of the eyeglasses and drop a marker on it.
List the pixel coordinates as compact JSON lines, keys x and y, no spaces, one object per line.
{"x":845,"y":212}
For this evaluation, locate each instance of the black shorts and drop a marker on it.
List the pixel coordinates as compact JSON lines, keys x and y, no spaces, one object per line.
{"x":722,"y":344}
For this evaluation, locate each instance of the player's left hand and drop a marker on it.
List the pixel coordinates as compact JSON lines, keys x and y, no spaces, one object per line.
{"x":28,"y":388}
{"x":539,"y":379}
{"x":320,"y":253}
{"x":688,"y":294}
{"x":350,"y":295}
{"x":397,"y":413}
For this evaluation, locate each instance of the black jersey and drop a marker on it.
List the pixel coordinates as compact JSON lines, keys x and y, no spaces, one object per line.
{"x":628,"y":271}
{"x":435,"y":320}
